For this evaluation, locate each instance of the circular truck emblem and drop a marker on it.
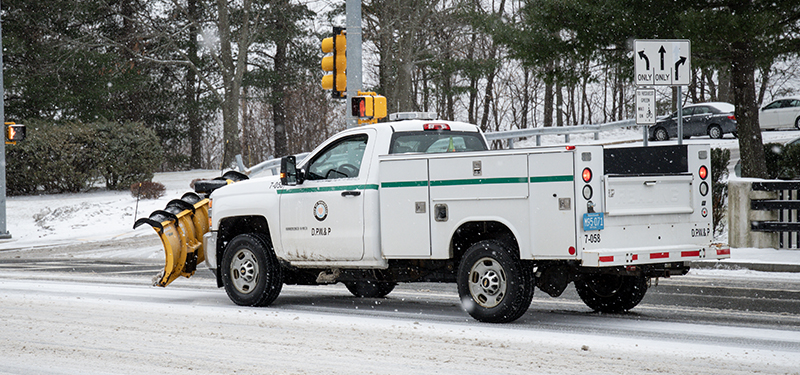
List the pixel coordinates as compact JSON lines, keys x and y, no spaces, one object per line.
{"x":320,"y":210}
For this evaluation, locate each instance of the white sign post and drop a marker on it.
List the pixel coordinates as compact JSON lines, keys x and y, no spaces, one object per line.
{"x":663,"y":63}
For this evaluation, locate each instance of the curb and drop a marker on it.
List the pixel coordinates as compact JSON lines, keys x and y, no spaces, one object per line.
{"x":763,"y":267}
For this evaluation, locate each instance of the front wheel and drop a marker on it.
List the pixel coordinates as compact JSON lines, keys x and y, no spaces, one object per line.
{"x":370,"y":289}
{"x":494,"y":285}
{"x":715,"y":132}
{"x":250,"y":271}
{"x":797,"y":123}
{"x":611,"y":293}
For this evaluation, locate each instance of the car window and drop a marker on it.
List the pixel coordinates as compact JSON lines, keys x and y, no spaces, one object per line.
{"x":688,"y":111}
{"x":794,"y":103}
{"x":773,"y":105}
{"x":701,"y":110}
{"x":341,"y":159}
{"x":436,"y":141}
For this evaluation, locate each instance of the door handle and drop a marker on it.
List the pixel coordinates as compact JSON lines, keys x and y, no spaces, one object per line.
{"x":351,"y":193}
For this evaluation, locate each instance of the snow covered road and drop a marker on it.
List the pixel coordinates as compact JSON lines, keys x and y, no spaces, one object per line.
{"x":82,"y":325}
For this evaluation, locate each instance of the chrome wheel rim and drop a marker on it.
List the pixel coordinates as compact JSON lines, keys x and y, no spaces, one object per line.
{"x":715,"y":133}
{"x":244,"y":271}
{"x":487,"y":282}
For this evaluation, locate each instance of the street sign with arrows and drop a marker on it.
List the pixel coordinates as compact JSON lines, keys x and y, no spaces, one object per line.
{"x":662,"y":62}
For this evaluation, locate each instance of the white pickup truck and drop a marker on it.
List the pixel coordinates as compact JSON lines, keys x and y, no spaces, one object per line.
{"x":417,"y":200}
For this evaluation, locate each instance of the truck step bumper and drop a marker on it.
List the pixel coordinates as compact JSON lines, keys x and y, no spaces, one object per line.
{"x":652,"y":255}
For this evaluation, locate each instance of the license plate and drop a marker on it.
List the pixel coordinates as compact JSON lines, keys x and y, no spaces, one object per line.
{"x":593,"y":221}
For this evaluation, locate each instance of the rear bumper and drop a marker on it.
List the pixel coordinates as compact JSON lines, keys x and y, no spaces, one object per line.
{"x":653,"y":255}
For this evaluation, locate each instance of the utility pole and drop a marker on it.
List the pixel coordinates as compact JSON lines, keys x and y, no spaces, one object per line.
{"x":4,"y":234}
{"x":353,"y":23}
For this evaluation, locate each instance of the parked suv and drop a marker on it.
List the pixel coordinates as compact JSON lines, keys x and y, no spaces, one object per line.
{"x":712,"y":119}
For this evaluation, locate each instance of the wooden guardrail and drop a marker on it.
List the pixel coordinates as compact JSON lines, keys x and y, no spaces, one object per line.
{"x":787,"y":205}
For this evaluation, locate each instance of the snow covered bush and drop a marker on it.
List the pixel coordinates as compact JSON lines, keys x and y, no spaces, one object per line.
{"x":720,"y":157}
{"x":72,"y":157}
{"x":148,"y":190}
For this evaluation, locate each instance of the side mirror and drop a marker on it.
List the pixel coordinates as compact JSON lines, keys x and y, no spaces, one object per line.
{"x":288,"y":171}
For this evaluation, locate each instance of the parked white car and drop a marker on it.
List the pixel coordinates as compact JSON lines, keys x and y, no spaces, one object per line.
{"x":781,"y":114}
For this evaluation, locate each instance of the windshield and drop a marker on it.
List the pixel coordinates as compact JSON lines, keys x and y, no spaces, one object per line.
{"x":436,"y":141}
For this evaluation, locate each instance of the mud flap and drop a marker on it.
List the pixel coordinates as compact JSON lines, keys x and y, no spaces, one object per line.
{"x":181,"y":226}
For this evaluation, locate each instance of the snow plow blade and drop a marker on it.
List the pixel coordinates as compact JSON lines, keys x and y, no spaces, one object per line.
{"x":181,"y":226}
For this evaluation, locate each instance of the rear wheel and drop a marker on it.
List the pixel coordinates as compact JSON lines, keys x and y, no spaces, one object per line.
{"x":611,"y":293}
{"x":715,"y":132}
{"x":494,"y":285}
{"x":370,"y":289}
{"x":661,"y":134}
{"x":250,"y":271}
{"x":797,"y":123}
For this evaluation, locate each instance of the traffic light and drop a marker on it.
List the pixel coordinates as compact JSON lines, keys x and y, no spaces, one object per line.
{"x":336,"y":64}
{"x":14,"y":132}
{"x":368,"y":107}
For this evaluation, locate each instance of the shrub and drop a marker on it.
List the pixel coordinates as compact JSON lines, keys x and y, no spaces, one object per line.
{"x":791,"y":162}
{"x":71,"y":157}
{"x":720,"y":158}
{"x":126,"y":153}
{"x":783,"y":162}
{"x":148,"y":190}
{"x":53,"y":158}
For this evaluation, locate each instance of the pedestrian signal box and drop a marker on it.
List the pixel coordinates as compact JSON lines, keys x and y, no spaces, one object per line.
{"x":368,"y":107}
{"x":14,"y":132}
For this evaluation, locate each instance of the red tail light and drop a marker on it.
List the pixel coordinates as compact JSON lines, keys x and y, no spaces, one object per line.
{"x":732,"y":117}
{"x":703,"y":172}
{"x":587,"y":175}
{"x":570,"y":148}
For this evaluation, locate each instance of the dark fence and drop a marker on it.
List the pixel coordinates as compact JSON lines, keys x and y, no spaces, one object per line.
{"x":787,"y":205}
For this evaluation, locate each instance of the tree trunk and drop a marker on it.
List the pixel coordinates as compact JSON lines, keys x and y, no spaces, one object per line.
{"x":744,"y":96}
{"x":279,"y":99}
{"x":548,"y":102}
{"x":192,"y":93}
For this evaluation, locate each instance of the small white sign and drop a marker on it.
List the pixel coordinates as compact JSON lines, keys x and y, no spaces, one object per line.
{"x":645,"y":106}
{"x":662,"y":62}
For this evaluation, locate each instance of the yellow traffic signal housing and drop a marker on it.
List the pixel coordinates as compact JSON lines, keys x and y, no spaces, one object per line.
{"x":14,"y":132}
{"x":335,"y":64}
{"x":368,"y":106}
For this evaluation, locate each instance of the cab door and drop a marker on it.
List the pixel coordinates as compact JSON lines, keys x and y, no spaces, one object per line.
{"x":322,"y":219}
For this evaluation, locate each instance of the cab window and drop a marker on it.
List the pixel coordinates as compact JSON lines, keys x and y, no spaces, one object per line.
{"x":436,"y":141}
{"x":341,"y":159}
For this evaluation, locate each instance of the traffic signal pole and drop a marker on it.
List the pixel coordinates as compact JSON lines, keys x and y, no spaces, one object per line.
{"x":353,"y":23}
{"x":3,"y":232}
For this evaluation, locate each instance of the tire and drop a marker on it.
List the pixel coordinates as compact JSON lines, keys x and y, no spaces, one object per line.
{"x":735,"y":134}
{"x":370,"y":289}
{"x":611,"y":293}
{"x":797,"y":123}
{"x":661,"y":134}
{"x":250,"y":271}
{"x":715,"y":132}
{"x":494,"y":285}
